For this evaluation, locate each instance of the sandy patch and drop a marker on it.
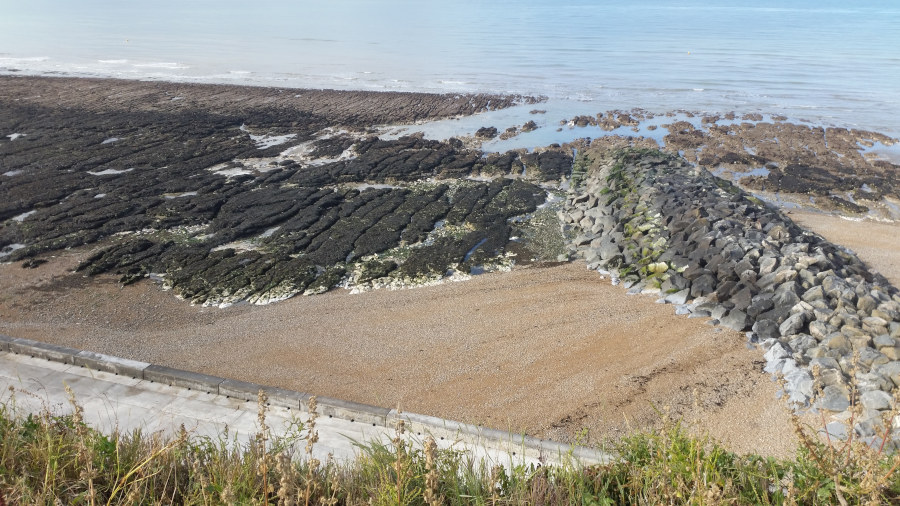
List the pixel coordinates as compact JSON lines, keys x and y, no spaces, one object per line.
{"x":555,"y":352}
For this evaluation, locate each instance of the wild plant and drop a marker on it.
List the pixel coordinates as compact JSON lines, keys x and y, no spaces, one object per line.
{"x":432,"y":494}
{"x":851,"y":468}
{"x":312,"y":464}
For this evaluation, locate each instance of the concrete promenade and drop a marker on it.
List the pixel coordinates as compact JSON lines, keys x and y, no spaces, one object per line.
{"x":127,"y":395}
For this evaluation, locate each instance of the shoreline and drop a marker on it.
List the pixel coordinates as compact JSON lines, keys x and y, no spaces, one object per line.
{"x":130,"y":157}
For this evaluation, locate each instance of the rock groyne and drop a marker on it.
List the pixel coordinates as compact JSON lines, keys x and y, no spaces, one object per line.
{"x":829,"y":325}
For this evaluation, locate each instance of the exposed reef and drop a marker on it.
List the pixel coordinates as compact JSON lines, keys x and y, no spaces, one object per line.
{"x":826,"y":168}
{"x":261,"y":202}
{"x":665,"y":227}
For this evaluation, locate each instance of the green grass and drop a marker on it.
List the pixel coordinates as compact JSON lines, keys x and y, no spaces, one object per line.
{"x":48,"y":459}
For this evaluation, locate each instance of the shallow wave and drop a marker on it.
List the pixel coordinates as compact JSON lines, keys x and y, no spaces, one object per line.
{"x":27,"y":59}
{"x":617,"y":92}
{"x":161,"y":65}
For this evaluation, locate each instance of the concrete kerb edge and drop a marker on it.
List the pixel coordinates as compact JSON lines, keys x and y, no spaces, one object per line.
{"x":184,"y":379}
{"x":108,"y":363}
{"x":356,"y":412}
{"x":4,"y":342}
{"x":46,"y":351}
{"x":353,"y":411}
{"x":249,"y":392}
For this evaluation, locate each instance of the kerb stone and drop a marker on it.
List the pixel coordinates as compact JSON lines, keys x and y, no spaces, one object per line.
{"x":46,"y":351}
{"x":184,"y":379}
{"x":111,"y":364}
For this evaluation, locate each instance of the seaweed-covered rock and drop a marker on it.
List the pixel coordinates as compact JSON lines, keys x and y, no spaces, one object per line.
{"x":257,"y":203}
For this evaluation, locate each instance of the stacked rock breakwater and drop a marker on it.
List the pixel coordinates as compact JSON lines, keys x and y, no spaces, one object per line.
{"x":829,"y":324}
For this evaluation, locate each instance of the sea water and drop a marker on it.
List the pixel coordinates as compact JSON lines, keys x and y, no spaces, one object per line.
{"x":830,"y":62}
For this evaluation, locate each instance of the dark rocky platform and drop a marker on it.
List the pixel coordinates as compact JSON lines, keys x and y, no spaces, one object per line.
{"x":184,"y":181}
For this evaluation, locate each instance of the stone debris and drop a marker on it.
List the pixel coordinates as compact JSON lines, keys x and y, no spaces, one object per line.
{"x":665,"y":227}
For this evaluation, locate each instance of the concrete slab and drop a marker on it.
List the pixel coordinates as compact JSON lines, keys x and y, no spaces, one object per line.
{"x":42,"y":363}
{"x":120,"y":402}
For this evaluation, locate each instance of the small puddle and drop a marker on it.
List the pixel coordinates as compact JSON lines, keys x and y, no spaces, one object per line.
{"x":10,"y":248}
{"x":179,"y":195}
{"x":366,"y":186}
{"x":269,"y":232}
{"x":267,"y":141}
{"x":472,"y":251}
{"x":110,"y":172}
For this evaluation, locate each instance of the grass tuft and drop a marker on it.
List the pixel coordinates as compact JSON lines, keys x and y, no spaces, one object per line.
{"x":47,"y":458}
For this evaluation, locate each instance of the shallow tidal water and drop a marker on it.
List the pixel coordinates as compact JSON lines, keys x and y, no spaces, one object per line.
{"x":825,"y":61}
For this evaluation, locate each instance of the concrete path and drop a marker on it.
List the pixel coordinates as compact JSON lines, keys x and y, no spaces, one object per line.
{"x":119,"y":401}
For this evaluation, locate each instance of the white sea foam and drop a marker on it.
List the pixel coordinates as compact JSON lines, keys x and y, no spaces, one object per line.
{"x":161,"y":65}
{"x":5,"y":60}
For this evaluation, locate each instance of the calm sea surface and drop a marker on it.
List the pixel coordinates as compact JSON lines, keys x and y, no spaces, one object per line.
{"x":831,"y":62}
